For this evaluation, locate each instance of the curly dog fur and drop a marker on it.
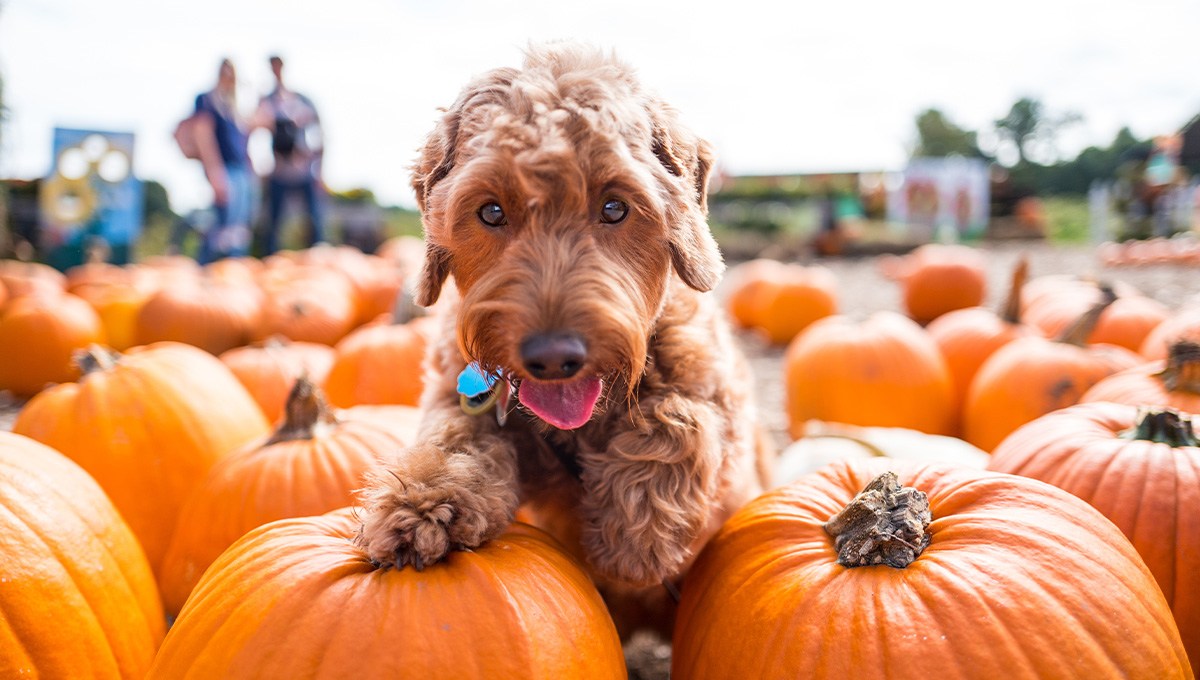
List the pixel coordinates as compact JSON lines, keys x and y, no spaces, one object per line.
{"x":670,"y":448}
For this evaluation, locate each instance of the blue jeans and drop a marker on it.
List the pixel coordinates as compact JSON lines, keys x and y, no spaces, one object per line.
{"x":230,"y":236}
{"x":278,"y":192}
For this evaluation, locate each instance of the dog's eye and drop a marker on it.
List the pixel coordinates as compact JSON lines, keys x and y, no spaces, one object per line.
{"x":492,"y":215}
{"x":614,"y":211}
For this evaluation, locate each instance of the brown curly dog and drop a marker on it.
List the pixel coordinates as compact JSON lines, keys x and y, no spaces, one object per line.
{"x":569,"y":205}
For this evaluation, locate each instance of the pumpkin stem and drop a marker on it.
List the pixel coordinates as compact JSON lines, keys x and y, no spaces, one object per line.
{"x":886,"y":523}
{"x":1163,"y":426}
{"x":1182,"y":373}
{"x":305,"y":413}
{"x":96,"y":358}
{"x":1012,"y":305}
{"x":1077,"y":333}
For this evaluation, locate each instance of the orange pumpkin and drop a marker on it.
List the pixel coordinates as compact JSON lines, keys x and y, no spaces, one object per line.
{"x":147,"y":425}
{"x":1141,"y":470}
{"x":938,"y":278}
{"x":380,"y":363}
{"x":312,"y":464}
{"x":1174,"y":383}
{"x":1053,"y":303}
{"x":30,"y":278}
{"x":884,"y":372}
{"x":38,"y":336}
{"x":1128,"y":321}
{"x":967,"y":574}
{"x":967,"y":337}
{"x":793,"y":299}
{"x":118,"y":305}
{"x":298,"y":599}
{"x":1182,"y":325}
{"x":77,"y":594}
{"x":747,"y":282}
{"x":268,"y":371}
{"x":208,"y":314}
{"x":320,"y":309}
{"x":1034,"y":376}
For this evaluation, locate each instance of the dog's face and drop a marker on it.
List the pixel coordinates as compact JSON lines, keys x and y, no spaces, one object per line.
{"x":562,"y":197}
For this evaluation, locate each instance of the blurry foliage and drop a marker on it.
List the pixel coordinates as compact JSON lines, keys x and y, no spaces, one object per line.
{"x":937,"y":136}
{"x":1067,"y":219}
{"x":1027,"y":122}
{"x":400,"y":221}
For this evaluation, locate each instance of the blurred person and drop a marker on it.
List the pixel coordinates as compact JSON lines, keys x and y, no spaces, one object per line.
{"x":297,"y":145}
{"x":221,"y":137}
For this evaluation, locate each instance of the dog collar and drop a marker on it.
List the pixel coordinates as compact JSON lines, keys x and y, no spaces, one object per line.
{"x":479,"y":392}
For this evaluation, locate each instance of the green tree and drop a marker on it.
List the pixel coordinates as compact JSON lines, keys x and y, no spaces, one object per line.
{"x":1028,"y":121}
{"x":937,"y":137}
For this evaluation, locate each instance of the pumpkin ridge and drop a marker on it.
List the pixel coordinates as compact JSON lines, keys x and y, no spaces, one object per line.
{"x":111,"y":636}
{"x":93,"y":620}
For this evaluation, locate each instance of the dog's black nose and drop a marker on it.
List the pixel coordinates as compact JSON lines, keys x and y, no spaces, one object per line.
{"x":553,"y":356}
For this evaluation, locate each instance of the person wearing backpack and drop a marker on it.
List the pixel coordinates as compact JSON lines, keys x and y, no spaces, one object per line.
{"x":297,"y":146}
{"x":219,"y":137}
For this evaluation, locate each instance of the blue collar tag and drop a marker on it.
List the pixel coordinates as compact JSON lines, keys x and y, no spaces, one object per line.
{"x":478,"y":392}
{"x":473,"y":382}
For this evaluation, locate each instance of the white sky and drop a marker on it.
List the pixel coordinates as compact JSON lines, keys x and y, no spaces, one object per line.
{"x":775,"y":86}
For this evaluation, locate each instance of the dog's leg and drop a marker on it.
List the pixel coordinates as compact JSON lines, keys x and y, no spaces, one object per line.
{"x":456,"y":488}
{"x":652,"y":492}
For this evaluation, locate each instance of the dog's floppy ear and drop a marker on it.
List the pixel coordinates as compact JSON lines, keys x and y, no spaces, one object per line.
{"x":433,"y":274}
{"x":441,"y":147}
{"x":694,"y":253}
{"x":436,"y":162}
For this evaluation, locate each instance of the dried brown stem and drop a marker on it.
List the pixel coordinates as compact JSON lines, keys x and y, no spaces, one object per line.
{"x":886,"y":523}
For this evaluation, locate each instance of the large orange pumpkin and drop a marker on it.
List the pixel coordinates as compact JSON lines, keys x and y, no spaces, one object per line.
{"x":298,"y":599}
{"x":38,"y":336}
{"x":1173,"y":383}
{"x":312,"y":464}
{"x":988,"y":576}
{"x":1034,"y":376}
{"x":380,"y":363}
{"x":147,"y":425}
{"x":77,"y":594}
{"x":884,"y":372}
{"x":967,"y":337}
{"x":1141,"y":469}
{"x":269,"y":369}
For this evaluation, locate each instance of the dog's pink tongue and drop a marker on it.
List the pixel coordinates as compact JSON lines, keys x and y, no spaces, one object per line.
{"x":564,"y":404}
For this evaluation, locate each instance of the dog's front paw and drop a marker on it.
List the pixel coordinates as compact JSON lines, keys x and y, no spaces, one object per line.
{"x":636,"y":558}
{"x":419,"y":509}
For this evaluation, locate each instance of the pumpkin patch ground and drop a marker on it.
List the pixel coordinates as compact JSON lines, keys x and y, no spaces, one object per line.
{"x":863,"y":288}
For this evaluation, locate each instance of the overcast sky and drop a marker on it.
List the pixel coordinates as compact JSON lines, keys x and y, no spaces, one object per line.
{"x":775,"y":86}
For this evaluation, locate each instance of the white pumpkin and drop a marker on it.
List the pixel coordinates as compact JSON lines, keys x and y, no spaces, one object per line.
{"x":824,"y":443}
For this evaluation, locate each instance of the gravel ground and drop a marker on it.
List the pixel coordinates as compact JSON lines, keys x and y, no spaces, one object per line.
{"x":863,"y":290}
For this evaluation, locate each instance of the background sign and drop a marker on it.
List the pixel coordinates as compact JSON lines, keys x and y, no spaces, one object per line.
{"x":91,"y":204}
{"x":938,"y":194}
